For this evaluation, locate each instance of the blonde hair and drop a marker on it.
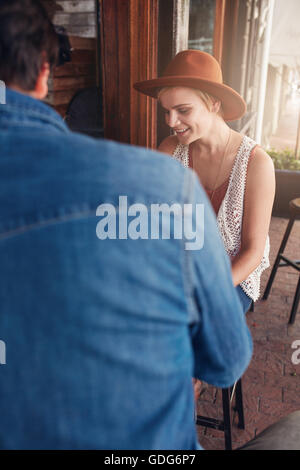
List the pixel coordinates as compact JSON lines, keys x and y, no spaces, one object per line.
{"x":207,"y":99}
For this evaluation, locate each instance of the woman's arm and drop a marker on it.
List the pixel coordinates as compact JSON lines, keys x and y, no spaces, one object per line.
{"x":258,"y":203}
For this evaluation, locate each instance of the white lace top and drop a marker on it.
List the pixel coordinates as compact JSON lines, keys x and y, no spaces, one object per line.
{"x":230,"y":215}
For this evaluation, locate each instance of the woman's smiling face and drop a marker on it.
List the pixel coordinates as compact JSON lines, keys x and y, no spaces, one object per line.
{"x":186,"y":113}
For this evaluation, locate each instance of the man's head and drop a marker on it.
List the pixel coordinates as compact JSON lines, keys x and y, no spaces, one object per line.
{"x":28,"y":46}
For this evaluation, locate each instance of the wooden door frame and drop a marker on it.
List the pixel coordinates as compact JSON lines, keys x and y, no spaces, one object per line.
{"x":219,"y":29}
{"x":225,"y":35}
{"x":129,"y":30}
{"x":143,"y":66}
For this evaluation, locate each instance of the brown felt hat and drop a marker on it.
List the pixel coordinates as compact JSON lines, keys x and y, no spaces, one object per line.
{"x":197,"y":69}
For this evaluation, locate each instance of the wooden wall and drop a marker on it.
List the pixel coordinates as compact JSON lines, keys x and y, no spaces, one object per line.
{"x":79,"y":19}
{"x":75,"y":75}
{"x":129,"y":54}
{"x":128,"y":38}
{"x":77,"y":16}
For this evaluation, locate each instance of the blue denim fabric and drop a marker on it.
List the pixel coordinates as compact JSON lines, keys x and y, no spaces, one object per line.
{"x":102,"y":337}
{"x":244,"y":298}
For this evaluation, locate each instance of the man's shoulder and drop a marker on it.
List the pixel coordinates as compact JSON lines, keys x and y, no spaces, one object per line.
{"x":124,"y":166}
{"x":128,"y":157}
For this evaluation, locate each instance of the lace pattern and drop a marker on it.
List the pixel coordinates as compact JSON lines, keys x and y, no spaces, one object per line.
{"x":230,"y":215}
{"x":181,"y":153}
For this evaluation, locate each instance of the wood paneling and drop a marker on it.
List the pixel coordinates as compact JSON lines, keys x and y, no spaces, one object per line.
{"x":143,"y":66}
{"x":70,"y":69}
{"x":73,"y":76}
{"x":73,"y":82}
{"x":129,"y":54}
{"x":219,"y":29}
{"x":116,"y":69}
{"x":77,"y":16}
{"x":165,"y":53}
{"x":79,"y":19}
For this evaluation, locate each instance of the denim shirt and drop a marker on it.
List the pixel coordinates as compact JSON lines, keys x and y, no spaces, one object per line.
{"x":103,"y":336}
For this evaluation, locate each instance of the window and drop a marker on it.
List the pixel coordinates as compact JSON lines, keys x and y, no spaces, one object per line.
{"x":201,"y":25}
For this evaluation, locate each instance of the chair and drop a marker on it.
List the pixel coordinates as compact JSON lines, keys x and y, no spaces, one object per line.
{"x":84,"y":113}
{"x":282,"y":435}
{"x":227,"y":398}
{"x":225,"y":424}
{"x":282,"y":260}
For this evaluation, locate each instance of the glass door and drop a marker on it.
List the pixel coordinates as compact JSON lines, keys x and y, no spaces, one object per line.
{"x":202,"y":25}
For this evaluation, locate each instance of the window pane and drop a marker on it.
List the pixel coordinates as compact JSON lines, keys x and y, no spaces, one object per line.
{"x":201,"y":25}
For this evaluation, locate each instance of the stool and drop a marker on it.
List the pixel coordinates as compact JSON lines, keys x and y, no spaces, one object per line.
{"x":294,"y":206}
{"x":225,"y":424}
{"x":282,"y":435}
{"x":227,"y":397}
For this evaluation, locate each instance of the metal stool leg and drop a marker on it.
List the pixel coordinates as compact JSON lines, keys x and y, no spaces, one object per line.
{"x":278,"y":258}
{"x":227,"y":418}
{"x":295,"y":304}
{"x":225,"y":424}
{"x":239,"y":404}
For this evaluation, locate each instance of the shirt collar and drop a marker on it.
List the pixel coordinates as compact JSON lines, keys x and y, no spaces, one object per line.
{"x":19,"y":106}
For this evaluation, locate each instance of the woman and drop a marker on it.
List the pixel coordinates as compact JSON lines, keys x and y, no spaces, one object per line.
{"x":237,"y":175}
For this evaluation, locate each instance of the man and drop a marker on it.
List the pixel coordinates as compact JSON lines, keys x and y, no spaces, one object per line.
{"x":104,"y":323}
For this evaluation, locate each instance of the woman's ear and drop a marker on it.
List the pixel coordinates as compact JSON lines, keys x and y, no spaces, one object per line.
{"x":216,"y":106}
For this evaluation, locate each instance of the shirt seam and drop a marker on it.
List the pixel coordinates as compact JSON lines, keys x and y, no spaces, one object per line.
{"x":189,"y":186}
{"x":30,"y":114}
{"x":21,"y":229}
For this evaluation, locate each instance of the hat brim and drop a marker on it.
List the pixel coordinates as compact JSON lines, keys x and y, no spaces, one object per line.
{"x":234,"y":107}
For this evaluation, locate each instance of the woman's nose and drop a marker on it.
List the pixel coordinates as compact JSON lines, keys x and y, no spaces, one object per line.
{"x":172,"y":119}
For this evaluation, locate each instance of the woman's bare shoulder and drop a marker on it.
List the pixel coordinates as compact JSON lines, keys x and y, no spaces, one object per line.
{"x":260,"y":159}
{"x":168,"y":145}
{"x":261,"y":169}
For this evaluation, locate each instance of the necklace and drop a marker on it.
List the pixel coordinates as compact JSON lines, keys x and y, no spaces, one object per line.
{"x":220,"y":166}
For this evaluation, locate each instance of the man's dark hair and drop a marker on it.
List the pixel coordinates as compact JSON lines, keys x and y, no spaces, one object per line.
{"x":27,"y":40}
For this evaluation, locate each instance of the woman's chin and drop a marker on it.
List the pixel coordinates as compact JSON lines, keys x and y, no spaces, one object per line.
{"x":185,"y":138}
